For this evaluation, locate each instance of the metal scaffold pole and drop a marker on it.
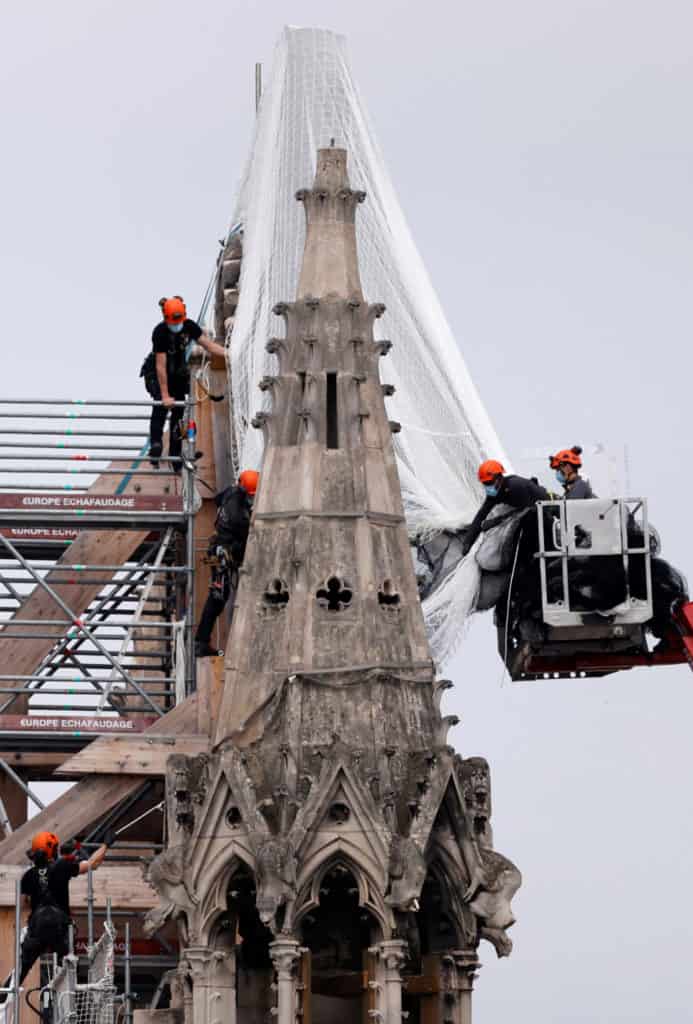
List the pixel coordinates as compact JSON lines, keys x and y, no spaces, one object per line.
{"x":188,"y":462}
{"x":17,"y":948}
{"x":127,"y":996}
{"x":90,"y":910}
{"x":77,"y":622}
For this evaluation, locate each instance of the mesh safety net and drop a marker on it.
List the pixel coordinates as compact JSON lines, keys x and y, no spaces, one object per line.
{"x":310,"y":100}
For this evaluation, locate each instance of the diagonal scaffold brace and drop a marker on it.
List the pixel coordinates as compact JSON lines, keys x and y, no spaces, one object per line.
{"x":79,"y":624}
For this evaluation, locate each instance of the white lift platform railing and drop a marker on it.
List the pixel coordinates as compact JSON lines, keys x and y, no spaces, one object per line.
{"x":574,"y":539}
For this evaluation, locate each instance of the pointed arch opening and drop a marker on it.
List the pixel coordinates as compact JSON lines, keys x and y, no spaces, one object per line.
{"x":338,"y":928}
{"x":251,"y":939}
{"x":432,"y":932}
{"x":436,"y":918}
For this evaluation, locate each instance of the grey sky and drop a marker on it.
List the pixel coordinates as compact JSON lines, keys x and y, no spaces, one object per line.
{"x":542,"y":153}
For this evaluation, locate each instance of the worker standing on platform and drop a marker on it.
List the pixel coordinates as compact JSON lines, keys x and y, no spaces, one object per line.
{"x":226,"y":551}
{"x":166,"y":377}
{"x":46,"y":886}
{"x":567,"y":464}
{"x":516,"y":491}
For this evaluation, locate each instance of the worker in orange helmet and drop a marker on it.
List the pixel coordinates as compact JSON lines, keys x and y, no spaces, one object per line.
{"x":46,"y":888}
{"x":501,"y":489}
{"x":166,"y":377}
{"x":567,"y":464}
{"x":225,"y":554}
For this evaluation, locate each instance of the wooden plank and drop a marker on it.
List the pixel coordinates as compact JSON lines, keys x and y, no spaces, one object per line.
{"x":131,"y":755}
{"x":33,"y":760}
{"x":32,"y":979}
{"x":210,"y":683}
{"x":75,"y":724}
{"x":124,"y":883}
{"x":14,"y":800}
{"x":430,"y":1003}
{"x":92,"y":797}
{"x":6,"y":942}
{"x":91,"y":547}
{"x":30,"y":501}
{"x":369,"y":1000}
{"x":306,"y":991}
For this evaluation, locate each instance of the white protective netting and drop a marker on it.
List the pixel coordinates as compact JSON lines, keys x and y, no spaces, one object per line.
{"x":93,"y":1002}
{"x":312,"y":98}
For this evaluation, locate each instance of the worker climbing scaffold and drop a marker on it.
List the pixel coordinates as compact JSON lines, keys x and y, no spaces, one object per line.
{"x":225,"y":554}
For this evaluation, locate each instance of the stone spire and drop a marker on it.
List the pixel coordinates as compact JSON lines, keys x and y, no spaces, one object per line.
{"x":328,"y":584}
{"x":331,"y":835}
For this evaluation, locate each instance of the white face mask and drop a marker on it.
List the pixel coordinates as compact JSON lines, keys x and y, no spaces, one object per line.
{"x":175,"y":328}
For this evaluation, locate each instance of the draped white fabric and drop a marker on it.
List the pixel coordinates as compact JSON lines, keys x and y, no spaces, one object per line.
{"x":311,"y":98}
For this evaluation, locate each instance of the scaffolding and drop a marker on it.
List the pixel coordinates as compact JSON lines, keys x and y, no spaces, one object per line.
{"x":63,"y":998}
{"x":97,"y":613}
{"x":108,"y":645}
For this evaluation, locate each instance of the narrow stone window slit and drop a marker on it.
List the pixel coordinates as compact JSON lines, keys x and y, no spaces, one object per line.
{"x":332,"y":415}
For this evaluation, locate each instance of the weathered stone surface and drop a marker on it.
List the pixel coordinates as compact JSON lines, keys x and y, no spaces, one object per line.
{"x":331,"y":753}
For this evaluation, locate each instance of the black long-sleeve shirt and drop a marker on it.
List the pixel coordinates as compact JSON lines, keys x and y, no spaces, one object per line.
{"x":516,"y":491}
{"x":233,"y":520}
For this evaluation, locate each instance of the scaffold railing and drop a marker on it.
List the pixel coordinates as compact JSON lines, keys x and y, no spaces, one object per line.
{"x":104,"y":637}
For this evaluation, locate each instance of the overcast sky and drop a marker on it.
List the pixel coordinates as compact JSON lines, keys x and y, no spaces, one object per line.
{"x":542,"y":154}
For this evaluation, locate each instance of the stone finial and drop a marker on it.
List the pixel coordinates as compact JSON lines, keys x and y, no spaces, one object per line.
{"x":330,"y":263}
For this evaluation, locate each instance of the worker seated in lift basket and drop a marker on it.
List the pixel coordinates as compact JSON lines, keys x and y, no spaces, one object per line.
{"x":225,"y":555}
{"x":590,"y":564}
{"x":46,"y":888}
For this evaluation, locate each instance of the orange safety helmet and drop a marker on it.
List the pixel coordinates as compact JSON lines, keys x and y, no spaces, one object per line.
{"x":248,"y":480}
{"x":489,"y":470}
{"x":569,"y":455}
{"x":173,"y":309}
{"x":48,"y":842}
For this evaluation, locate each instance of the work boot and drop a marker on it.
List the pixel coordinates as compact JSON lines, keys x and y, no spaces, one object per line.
{"x":154,"y":455}
{"x":205,"y":650}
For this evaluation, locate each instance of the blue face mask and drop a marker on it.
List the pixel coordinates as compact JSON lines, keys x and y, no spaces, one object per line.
{"x":491,"y":490}
{"x":560,"y":476}
{"x":175,"y":328}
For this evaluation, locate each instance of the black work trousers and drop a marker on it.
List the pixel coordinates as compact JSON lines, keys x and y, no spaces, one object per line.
{"x":222,"y":588}
{"x":51,"y":936}
{"x":178,"y":389}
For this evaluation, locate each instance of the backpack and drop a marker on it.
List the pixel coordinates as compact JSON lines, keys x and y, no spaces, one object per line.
{"x":148,"y":371}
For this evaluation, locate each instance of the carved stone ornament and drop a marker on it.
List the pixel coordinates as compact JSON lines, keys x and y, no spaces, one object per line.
{"x":168,"y":874}
{"x":275,"y":861}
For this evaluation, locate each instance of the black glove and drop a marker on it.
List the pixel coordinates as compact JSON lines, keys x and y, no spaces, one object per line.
{"x":108,"y":838}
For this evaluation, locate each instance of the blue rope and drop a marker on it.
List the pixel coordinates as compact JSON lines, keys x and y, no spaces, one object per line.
{"x":128,"y":476}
